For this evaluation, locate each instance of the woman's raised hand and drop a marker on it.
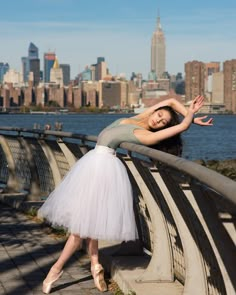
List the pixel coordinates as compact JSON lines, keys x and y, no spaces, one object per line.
{"x":196,"y":103}
{"x":195,"y":106}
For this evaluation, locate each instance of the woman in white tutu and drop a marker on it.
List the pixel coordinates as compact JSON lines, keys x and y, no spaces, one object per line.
{"x":94,"y":201}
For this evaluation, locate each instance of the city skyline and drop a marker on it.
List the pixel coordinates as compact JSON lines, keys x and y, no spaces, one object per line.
{"x":79,"y":31}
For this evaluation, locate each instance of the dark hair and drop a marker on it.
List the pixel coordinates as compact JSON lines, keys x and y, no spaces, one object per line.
{"x":172,"y":145}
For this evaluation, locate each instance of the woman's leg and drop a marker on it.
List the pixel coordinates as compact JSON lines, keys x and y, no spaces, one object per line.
{"x":69,"y":249}
{"x":96,"y":268}
{"x":55,"y":272}
{"x":93,"y":251}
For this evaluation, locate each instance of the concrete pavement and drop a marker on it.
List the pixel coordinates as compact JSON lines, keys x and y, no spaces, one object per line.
{"x":28,"y":249}
{"x":27,"y":252}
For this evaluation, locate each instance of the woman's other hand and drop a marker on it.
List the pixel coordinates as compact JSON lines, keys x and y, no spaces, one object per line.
{"x":199,"y":121}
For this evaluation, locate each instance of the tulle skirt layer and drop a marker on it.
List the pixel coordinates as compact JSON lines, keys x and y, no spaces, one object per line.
{"x":94,"y":199}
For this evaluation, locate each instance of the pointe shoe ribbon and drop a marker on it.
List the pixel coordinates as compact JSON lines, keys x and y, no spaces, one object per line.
{"x":98,"y":276}
{"x":47,"y":284}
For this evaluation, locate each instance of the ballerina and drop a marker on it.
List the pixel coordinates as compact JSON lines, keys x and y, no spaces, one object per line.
{"x":94,"y":201}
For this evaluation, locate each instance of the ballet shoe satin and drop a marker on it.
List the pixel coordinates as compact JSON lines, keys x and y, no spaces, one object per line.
{"x":47,"y":286}
{"x":98,"y":277}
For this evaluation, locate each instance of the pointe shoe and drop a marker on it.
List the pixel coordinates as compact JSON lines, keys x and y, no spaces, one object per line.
{"x":47,"y":286}
{"x":98,"y":276}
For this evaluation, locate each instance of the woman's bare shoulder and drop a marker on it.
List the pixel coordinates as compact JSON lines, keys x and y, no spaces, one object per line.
{"x":130,"y":120}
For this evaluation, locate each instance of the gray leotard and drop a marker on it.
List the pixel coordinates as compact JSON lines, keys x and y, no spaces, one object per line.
{"x":116,"y":133}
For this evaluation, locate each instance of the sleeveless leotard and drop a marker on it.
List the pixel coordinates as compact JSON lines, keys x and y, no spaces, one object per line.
{"x":115,"y":133}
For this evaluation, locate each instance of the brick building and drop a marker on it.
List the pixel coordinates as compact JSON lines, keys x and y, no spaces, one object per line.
{"x":229,"y":69}
{"x":194,"y":79}
{"x":113,"y":94}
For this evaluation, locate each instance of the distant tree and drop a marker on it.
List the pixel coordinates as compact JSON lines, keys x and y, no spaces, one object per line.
{"x":53,"y":103}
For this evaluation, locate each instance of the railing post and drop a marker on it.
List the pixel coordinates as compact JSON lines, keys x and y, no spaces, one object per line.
{"x":13,"y":184}
{"x":68,"y":154}
{"x":220,"y":262}
{"x":160,"y":268}
{"x":34,"y":192}
{"x":51,"y":160}
{"x":195,"y":276}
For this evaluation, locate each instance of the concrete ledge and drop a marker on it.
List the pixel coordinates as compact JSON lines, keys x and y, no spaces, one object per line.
{"x":126,"y":263}
{"x":125,"y":270}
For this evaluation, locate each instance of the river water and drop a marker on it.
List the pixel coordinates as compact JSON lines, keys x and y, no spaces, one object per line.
{"x":216,"y":142}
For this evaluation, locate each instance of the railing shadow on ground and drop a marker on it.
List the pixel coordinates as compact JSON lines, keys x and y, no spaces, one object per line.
{"x":31,"y":253}
{"x":181,"y":231}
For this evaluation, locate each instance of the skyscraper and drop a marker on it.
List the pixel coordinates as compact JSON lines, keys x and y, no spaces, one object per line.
{"x":31,"y":63}
{"x":66,"y":73}
{"x":34,"y":62}
{"x":49,"y":58}
{"x":100,"y":69}
{"x":25,"y":68}
{"x":33,"y":51}
{"x":4,"y":67}
{"x":56,"y":74}
{"x":158,"y":51}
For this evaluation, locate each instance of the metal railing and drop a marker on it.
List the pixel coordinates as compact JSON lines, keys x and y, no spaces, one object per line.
{"x":185,"y":212}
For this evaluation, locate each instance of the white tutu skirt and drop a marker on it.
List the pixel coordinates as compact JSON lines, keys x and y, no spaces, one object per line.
{"x":94,"y":200}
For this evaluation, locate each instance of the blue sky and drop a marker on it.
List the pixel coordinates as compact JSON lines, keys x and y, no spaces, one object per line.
{"x":80,"y":31}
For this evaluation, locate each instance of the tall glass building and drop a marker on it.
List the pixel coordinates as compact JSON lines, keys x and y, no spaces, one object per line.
{"x":25,"y":68}
{"x":49,"y":58}
{"x":87,"y":74}
{"x":34,"y":62}
{"x":66,"y":73}
{"x":31,"y":63}
{"x":4,"y":67}
{"x":33,"y":51}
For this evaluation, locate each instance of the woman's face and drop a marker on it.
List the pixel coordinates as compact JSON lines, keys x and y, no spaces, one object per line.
{"x":159,"y":119}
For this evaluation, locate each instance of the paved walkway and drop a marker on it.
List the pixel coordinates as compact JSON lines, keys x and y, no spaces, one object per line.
{"x":29,"y":248}
{"x":27,"y":252}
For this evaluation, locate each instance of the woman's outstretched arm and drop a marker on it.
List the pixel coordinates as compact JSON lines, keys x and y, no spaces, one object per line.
{"x":149,"y":138}
{"x":171,"y":102}
{"x":179,"y":108}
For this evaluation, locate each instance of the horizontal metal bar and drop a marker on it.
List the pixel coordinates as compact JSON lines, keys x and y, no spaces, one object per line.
{"x":216,"y":181}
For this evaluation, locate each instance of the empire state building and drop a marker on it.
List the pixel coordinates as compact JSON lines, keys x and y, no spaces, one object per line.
{"x":158,"y":51}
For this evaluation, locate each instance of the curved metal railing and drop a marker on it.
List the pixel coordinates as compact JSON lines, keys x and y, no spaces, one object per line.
{"x":185,"y":212}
